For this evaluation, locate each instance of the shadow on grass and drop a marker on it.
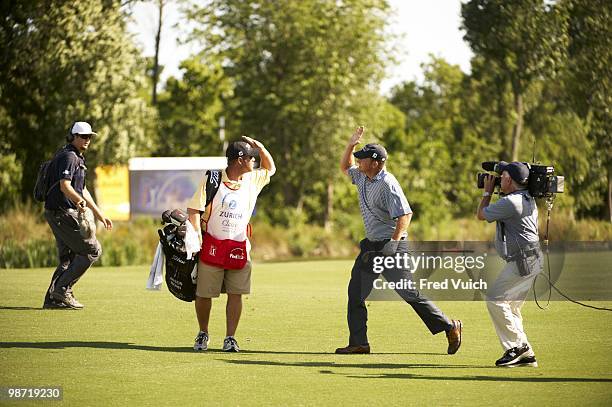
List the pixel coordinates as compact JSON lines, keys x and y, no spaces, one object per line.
{"x":132,"y":346}
{"x":186,"y":349}
{"x":21,"y":308}
{"x":527,"y":379}
{"x":352,"y":365}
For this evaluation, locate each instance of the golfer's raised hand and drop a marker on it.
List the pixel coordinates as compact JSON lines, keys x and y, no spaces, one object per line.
{"x":254,"y":143}
{"x":356,"y":137}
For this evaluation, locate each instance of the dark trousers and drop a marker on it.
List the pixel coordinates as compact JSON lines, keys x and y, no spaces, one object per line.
{"x":75,"y":253}
{"x":361,"y":284}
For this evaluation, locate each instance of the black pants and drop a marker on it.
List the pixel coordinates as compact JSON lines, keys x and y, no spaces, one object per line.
{"x":75,"y":253}
{"x":361,"y":284}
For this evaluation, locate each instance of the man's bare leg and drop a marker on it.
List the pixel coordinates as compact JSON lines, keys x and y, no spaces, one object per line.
{"x":203,"y":307}
{"x":233,"y":311}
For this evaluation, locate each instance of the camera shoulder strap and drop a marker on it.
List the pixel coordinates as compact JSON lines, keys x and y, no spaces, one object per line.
{"x":502,"y":228}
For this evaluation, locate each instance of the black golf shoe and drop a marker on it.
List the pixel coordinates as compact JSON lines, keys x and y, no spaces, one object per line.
{"x":514,"y":355}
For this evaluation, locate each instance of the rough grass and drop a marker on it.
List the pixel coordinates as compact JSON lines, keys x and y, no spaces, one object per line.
{"x":26,"y":240}
{"x":133,"y":347}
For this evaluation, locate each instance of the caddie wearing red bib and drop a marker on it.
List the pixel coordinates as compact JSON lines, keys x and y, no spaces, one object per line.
{"x":225,"y":261}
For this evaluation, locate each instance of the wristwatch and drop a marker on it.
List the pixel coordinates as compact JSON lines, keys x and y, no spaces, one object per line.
{"x":486,"y":193}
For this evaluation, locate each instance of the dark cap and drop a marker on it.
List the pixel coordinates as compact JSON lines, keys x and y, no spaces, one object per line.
{"x":518,"y":171}
{"x":374,"y":151}
{"x":240,"y":149}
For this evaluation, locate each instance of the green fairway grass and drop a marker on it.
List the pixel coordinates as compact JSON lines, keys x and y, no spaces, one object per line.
{"x":130,"y":346}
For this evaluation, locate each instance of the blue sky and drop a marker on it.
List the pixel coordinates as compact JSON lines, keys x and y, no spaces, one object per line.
{"x":426,"y":27}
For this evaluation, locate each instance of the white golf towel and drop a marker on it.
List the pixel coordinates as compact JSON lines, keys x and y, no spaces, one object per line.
{"x":192,"y":240}
{"x":156,"y":278}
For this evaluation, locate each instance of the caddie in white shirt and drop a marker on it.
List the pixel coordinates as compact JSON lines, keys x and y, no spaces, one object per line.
{"x":223,"y":224}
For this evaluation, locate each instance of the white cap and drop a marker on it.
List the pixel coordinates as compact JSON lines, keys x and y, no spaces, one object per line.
{"x":82,"y":128}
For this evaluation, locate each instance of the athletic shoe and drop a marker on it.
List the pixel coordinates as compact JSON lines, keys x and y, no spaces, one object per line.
{"x":230,"y":344}
{"x":514,"y":355}
{"x":50,"y":304}
{"x":528,"y":361}
{"x":453,"y":335}
{"x":76,"y":303}
{"x":66,"y":299}
{"x":201,"y":341}
{"x":353,"y":350}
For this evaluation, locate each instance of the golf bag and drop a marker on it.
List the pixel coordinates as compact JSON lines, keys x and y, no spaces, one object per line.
{"x":180,"y":273}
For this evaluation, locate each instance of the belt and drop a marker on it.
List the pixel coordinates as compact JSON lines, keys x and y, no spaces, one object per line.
{"x":384,"y":240}
{"x":532,"y":249}
{"x":61,"y":210}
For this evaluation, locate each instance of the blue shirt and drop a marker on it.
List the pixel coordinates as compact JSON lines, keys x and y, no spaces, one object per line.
{"x":519,"y":213}
{"x":381,"y":201}
{"x":68,"y":164}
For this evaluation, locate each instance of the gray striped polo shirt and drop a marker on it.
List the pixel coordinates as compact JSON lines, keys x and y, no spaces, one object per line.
{"x":381,"y":201}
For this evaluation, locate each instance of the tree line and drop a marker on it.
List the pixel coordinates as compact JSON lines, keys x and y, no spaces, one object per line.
{"x":301,"y":77}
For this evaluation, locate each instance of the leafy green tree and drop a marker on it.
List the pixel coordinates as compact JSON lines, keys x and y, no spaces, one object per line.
{"x":304,"y":73}
{"x":64,"y":61}
{"x":189,"y":110}
{"x":439,"y":153}
{"x":10,"y":180}
{"x":156,"y":71}
{"x":561,"y":139}
{"x":589,"y":83}
{"x":488,"y":103}
{"x":526,"y":39}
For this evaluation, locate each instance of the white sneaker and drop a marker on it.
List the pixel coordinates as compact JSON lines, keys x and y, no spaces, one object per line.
{"x":201,"y":341}
{"x":529,"y":361}
{"x":230,"y":344}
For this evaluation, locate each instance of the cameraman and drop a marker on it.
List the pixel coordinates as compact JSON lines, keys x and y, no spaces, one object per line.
{"x":517,"y":242}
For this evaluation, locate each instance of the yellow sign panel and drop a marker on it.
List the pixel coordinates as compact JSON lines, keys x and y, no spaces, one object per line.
{"x":113,"y":191}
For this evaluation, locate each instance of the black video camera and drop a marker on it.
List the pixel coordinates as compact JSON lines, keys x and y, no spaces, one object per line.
{"x":542,"y":181}
{"x":481,"y":178}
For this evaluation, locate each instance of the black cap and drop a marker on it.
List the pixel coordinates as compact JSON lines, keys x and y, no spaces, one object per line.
{"x":240,"y":149}
{"x":374,"y":151}
{"x":518,"y":171}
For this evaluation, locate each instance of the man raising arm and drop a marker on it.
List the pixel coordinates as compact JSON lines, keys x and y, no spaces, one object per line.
{"x":386,"y":215}
{"x":227,"y":217}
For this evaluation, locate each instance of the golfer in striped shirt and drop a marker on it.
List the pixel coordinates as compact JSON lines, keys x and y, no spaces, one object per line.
{"x":386,"y":216}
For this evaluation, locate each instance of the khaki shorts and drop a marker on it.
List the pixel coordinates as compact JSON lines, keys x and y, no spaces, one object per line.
{"x":212,"y":280}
